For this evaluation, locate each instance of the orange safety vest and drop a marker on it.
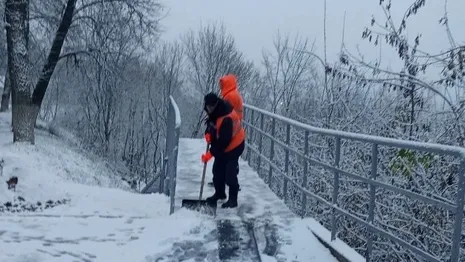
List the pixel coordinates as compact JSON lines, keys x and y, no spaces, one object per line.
{"x":238,"y":134}
{"x":235,"y":99}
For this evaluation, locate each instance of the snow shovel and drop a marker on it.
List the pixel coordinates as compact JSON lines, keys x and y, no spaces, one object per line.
{"x":200,"y":205}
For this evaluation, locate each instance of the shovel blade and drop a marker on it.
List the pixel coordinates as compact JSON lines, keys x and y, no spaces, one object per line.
{"x":201,"y":206}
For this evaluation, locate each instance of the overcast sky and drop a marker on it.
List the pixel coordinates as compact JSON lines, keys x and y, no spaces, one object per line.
{"x":254,"y":22}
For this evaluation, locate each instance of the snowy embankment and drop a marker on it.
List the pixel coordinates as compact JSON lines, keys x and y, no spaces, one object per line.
{"x":86,"y":213}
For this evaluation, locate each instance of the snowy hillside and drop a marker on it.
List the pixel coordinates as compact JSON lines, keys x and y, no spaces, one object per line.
{"x":46,"y":170}
{"x":96,"y":218}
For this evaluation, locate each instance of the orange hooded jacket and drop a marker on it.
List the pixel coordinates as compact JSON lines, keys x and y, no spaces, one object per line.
{"x":229,"y":92}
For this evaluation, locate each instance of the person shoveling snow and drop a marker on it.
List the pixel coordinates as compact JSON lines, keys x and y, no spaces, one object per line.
{"x":227,"y":138}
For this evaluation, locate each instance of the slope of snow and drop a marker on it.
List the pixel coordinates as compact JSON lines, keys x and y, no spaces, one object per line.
{"x":45,"y":169}
{"x":103,"y":220}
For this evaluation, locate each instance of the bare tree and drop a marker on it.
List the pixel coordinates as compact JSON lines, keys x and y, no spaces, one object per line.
{"x":148,"y":110}
{"x":168,"y":63}
{"x":6,"y":94}
{"x":409,"y":104}
{"x":26,"y":107}
{"x":211,"y":52}
{"x":258,"y":93}
{"x":409,"y":81}
{"x":29,"y":105}
{"x":287,"y":71}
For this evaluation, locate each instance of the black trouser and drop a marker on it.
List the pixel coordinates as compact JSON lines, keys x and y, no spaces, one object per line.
{"x":226,"y":168}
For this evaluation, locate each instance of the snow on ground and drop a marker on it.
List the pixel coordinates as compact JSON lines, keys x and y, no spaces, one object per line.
{"x":280,"y":234}
{"x":337,"y":244}
{"x":43,"y":168}
{"x":106,"y":225}
{"x":103,"y":220}
{"x":99,"y":219}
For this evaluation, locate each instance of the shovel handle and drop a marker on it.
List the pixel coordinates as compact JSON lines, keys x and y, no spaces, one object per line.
{"x":203,"y":176}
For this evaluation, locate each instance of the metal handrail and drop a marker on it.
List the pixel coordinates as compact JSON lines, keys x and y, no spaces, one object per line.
{"x":336,"y":210}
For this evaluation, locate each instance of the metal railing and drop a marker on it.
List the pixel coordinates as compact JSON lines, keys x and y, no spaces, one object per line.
{"x":372,"y":226}
{"x":167,"y":176}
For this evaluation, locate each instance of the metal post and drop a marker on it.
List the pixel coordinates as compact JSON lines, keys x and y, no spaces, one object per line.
{"x":166,"y":182}
{"x":371,"y":206}
{"x":174,"y":172}
{"x":337,"y":158}
{"x":170,"y":148}
{"x":457,"y":235}
{"x":245,"y":155}
{"x":260,"y":143}
{"x":304,"y":178}
{"x":164,"y":168}
{"x":250,"y":137}
{"x":270,"y":171}
{"x":168,"y":138}
{"x":286,"y":161}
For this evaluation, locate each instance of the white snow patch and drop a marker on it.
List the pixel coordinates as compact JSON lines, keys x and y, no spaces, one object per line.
{"x":46,"y":170}
{"x":177,"y":114}
{"x":103,"y":220}
{"x":100,"y":225}
{"x":337,"y":244}
{"x":305,"y":247}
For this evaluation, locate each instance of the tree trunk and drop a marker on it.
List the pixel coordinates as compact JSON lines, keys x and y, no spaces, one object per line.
{"x":23,"y":114}
{"x":5,"y":104}
{"x":26,"y":112}
{"x":25,"y":108}
{"x":54,"y":54}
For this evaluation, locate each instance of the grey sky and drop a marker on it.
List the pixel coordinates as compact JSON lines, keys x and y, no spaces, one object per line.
{"x":254,"y":22}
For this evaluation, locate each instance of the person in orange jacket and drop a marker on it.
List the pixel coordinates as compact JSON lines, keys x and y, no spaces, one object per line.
{"x":230,"y":93}
{"x":227,"y":142}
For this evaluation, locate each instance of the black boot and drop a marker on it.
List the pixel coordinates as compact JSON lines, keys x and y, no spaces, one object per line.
{"x":217,"y":196}
{"x":219,"y":193}
{"x":232,"y":201}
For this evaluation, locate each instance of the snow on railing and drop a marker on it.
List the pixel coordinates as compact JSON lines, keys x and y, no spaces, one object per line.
{"x":177,"y":114}
{"x":339,"y":202}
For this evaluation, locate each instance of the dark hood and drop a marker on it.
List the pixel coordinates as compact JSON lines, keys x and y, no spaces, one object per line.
{"x":222,"y":108}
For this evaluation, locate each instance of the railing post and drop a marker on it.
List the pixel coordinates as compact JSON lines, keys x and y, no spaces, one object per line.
{"x":457,"y":235}
{"x":246,"y":128}
{"x":260,"y":143}
{"x":174,"y":168}
{"x":304,"y":178}
{"x":169,"y":148}
{"x":270,"y":171}
{"x":250,"y":136}
{"x":286,"y":161}
{"x":168,"y":136}
{"x":164,"y":168}
{"x":371,"y":206}
{"x":337,"y":158}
